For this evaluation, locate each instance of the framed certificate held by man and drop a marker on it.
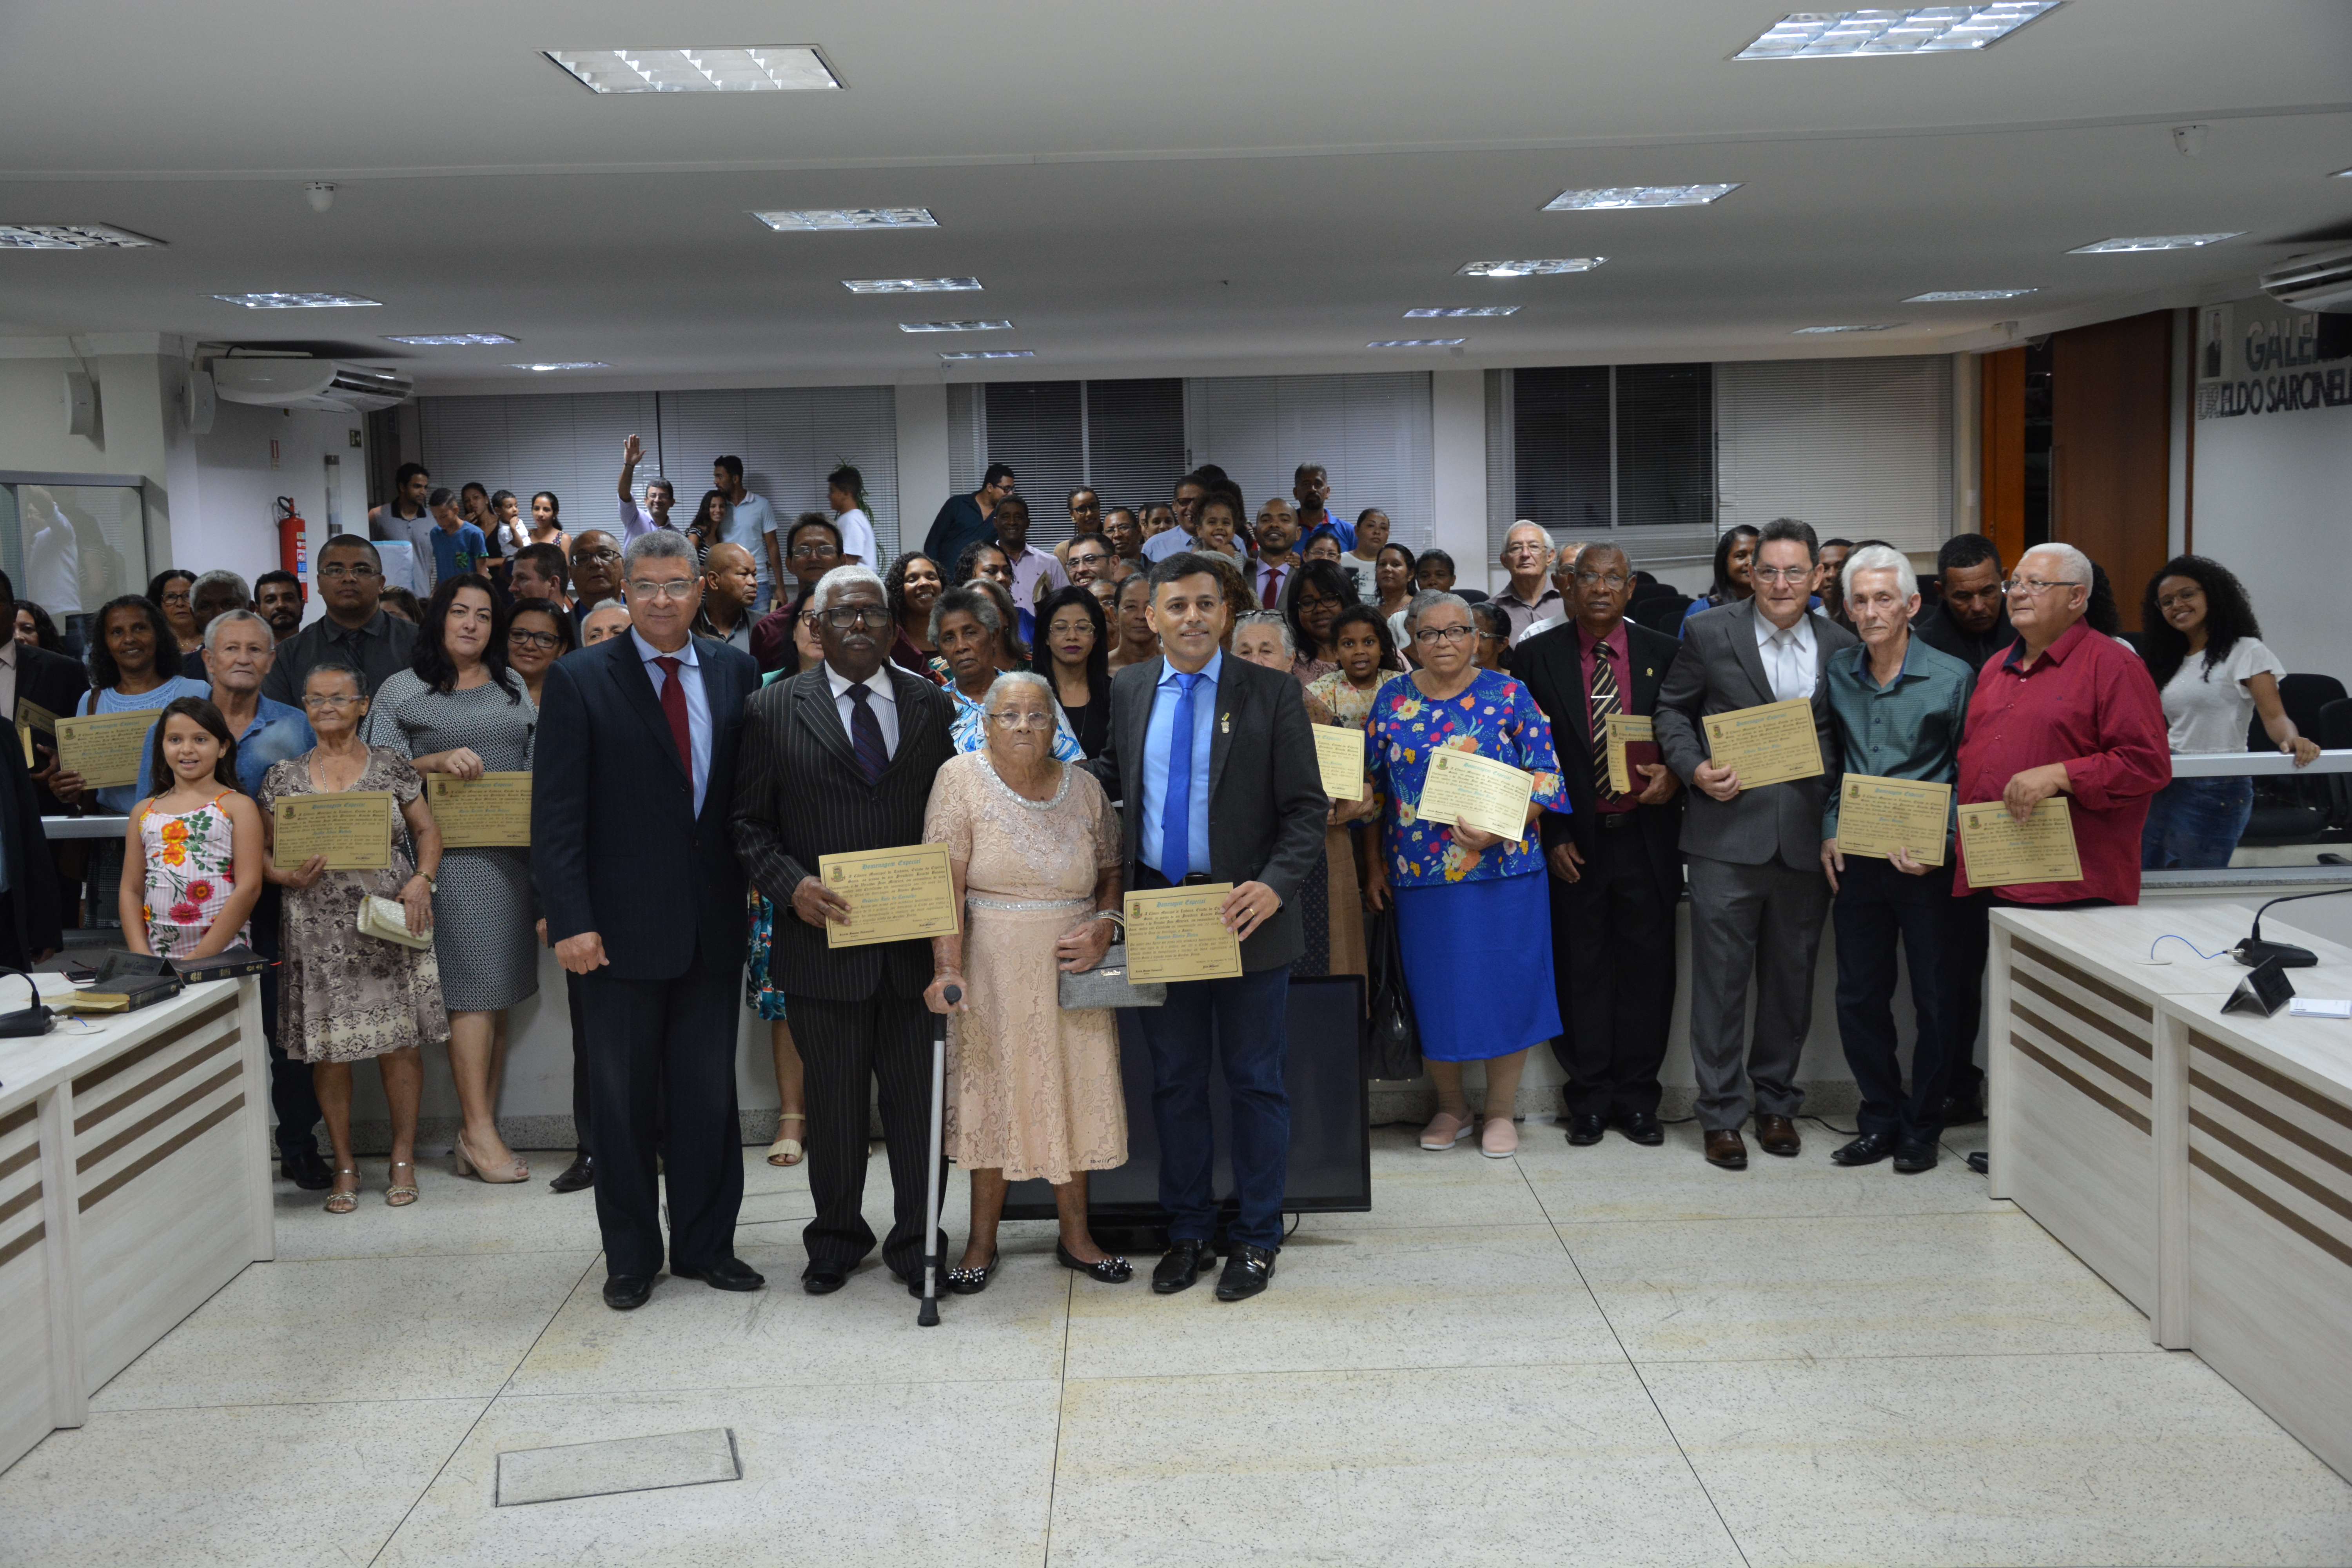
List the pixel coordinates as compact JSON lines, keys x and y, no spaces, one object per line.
{"x":1876,"y":817}
{"x":1999,"y":851}
{"x":352,"y":828}
{"x":1179,"y":933}
{"x":493,"y":812}
{"x":1768,"y":744}
{"x":894,"y":895}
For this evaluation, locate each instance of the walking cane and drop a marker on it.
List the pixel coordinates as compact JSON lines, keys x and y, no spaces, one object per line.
{"x":927,"y":1316}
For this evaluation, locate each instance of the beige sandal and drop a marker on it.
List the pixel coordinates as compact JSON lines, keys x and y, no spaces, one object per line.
{"x":787,"y":1151}
{"x":401,"y":1196}
{"x":344,"y":1203}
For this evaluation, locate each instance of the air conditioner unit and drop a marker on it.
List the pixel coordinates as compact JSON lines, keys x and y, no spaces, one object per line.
{"x":280,"y":382}
{"x":2321,"y":283}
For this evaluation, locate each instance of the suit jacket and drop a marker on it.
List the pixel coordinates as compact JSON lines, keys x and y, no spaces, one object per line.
{"x":1266,"y":803}
{"x":1720,"y":669}
{"x":617,"y":846}
{"x":1550,"y":664}
{"x":799,"y":794}
{"x":32,"y":878}
{"x":53,"y":681}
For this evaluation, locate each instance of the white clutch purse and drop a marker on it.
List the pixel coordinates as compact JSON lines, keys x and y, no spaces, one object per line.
{"x":385,"y":918}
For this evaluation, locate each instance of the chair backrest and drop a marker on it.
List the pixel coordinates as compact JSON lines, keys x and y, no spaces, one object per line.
{"x":1663,"y":612}
{"x":2335,"y":730}
{"x":2303,"y":696}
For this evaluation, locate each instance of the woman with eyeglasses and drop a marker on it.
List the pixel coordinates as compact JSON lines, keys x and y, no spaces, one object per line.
{"x":811,"y":549}
{"x":173,"y":592}
{"x":1322,"y":591}
{"x":458,"y":710}
{"x":913,"y":585}
{"x":1077,"y":661}
{"x":1471,"y":908}
{"x":968,"y":627}
{"x":537,"y":634}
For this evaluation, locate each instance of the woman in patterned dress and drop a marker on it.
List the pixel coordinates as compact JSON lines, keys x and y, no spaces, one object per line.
{"x":1470,"y":907}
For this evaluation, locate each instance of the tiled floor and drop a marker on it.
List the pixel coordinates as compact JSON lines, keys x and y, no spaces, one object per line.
{"x":1611,"y":1355}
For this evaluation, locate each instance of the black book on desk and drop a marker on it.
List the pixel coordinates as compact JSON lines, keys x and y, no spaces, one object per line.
{"x":228,"y":963}
{"x":125,"y":994}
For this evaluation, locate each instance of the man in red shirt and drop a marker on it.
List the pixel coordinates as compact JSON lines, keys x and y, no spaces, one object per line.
{"x":2067,"y":711}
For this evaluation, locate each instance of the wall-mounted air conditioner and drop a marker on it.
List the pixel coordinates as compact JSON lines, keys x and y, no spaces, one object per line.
{"x":280,"y":382}
{"x":2321,"y":283}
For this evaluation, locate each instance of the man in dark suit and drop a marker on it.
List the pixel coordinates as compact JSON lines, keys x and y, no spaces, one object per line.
{"x":53,"y":681}
{"x":1757,"y":895}
{"x":636,"y":750}
{"x":28,"y":887}
{"x":1214,"y":767}
{"x":836,"y":760}
{"x":1616,"y":867}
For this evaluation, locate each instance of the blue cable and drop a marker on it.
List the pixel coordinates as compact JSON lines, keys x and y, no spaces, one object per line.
{"x":2183,"y":941}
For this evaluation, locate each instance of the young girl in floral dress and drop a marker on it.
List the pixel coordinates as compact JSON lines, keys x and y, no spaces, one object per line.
{"x":192,"y":852}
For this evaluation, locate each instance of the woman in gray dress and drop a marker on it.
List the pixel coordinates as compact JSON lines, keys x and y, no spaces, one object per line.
{"x":458,"y":710}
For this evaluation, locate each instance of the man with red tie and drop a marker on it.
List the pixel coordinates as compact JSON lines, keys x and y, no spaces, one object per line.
{"x":1278,"y":535}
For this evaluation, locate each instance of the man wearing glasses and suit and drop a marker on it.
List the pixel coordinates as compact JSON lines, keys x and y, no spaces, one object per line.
{"x":1757,"y":895}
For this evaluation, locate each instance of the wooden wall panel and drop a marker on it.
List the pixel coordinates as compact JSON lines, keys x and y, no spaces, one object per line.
{"x":2002,"y":453}
{"x":2111,"y":394}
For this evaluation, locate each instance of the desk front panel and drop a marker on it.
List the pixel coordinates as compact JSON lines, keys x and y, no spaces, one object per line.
{"x":24,"y":1417}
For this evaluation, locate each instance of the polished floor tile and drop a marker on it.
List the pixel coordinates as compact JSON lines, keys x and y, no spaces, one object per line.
{"x":1525,"y":1464}
{"x":2001,"y":1460}
{"x":864,"y":1474}
{"x":348,"y":1328}
{"x":1412,"y":1188}
{"x":1482,"y":1296}
{"x":599,"y":1468}
{"x":453,"y":1215}
{"x":287,"y":1486}
{"x":1923,"y":1285}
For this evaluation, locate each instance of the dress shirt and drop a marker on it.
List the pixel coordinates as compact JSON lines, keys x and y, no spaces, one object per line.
{"x":1525,"y":613}
{"x":1027,"y":568}
{"x":1537,"y":628}
{"x":1159,"y":734}
{"x":634,"y":519}
{"x":698,"y":704}
{"x":1332,"y":524}
{"x":1621,"y":660}
{"x":385,"y":522}
{"x":1909,"y":729}
{"x":749,"y":523}
{"x":884,"y":704}
{"x":1788,"y":654}
{"x":1265,"y":572}
{"x":1166,"y":542}
{"x":379,"y":648}
{"x":2088,"y":702}
{"x":277,"y":732}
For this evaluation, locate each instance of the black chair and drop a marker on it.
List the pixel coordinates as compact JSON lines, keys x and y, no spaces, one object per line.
{"x":2334,"y":735}
{"x":1661,"y":613}
{"x":2295,"y":810}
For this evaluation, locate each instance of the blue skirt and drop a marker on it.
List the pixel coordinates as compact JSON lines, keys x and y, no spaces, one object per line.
{"x":1477,"y":958}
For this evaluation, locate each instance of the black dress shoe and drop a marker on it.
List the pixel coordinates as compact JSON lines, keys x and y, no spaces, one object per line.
{"x":578,"y":1174}
{"x":1641,"y":1127}
{"x":1247,"y":1270}
{"x":1180,"y":1266}
{"x":1963,"y":1111}
{"x":823,"y":1280}
{"x":1868,"y":1149}
{"x":305,"y":1169}
{"x":1586,"y":1130}
{"x":627,"y":1292}
{"x":1109,"y":1271}
{"x":727,"y":1274}
{"x":1914,"y":1155}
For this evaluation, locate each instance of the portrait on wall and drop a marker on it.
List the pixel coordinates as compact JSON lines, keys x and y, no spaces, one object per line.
{"x":2213,"y":344}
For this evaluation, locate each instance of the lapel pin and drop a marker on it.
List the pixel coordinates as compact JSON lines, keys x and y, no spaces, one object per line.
{"x":1225,"y":724}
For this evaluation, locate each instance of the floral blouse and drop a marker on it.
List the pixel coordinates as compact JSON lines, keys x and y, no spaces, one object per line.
{"x":1494,"y":717}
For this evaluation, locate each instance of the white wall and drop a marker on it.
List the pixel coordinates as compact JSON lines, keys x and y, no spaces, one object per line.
{"x":1457,"y":418}
{"x":2273,"y":503}
{"x":229,"y":520}
{"x":923,"y":481}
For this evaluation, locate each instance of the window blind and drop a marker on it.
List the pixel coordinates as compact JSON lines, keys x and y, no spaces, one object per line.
{"x":1664,"y":429}
{"x":1135,"y":440}
{"x":1371,"y":431}
{"x":1035,"y":428}
{"x":790,"y":438}
{"x":569,"y":443}
{"x":1562,"y":473}
{"x":1502,"y":459}
{"x":1858,"y":447}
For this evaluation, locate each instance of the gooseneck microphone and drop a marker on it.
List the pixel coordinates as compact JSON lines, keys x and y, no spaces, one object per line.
{"x":2254,"y":951}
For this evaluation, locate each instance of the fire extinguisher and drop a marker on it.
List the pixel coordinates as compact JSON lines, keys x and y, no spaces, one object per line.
{"x":293,"y":551}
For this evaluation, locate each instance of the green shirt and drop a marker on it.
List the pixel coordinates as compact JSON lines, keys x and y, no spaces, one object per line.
{"x":1909,"y":729}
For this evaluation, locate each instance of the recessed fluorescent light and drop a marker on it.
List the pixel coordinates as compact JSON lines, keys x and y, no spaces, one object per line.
{"x":1611,"y":197}
{"x":69,"y":237}
{"x":1919,"y":30}
{"x":909,"y":285}
{"x":1531,"y":269}
{"x":851,"y":218}
{"x":1419,"y":344}
{"x":2341,"y":174}
{"x":989,"y":354}
{"x":759,"y":67}
{"x":1953,"y":295}
{"x":564,"y":365}
{"x":2154,"y":242}
{"x":1868,"y":327}
{"x":296,"y":301}
{"x":1462,"y":310}
{"x":955,"y":326}
{"x":452,"y":340}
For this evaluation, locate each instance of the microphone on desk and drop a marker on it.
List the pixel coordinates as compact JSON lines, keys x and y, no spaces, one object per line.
{"x":2254,"y":951}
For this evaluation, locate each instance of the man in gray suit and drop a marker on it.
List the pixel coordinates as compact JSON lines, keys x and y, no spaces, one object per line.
{"x":1757,"y":895}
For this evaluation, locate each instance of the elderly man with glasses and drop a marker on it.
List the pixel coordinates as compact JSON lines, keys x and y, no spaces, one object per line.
{"x":1530,"y":555}
{"x":2066,"y":712}
{"x":355,"y":630}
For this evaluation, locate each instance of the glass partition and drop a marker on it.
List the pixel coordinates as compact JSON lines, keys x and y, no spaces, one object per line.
{"x":70,"y":542}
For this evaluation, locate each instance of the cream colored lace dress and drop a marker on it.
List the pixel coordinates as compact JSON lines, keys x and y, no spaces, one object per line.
{"x":1031,"y":1090}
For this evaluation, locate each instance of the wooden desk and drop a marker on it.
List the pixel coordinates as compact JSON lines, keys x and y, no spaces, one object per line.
{"x":134,"y":1182}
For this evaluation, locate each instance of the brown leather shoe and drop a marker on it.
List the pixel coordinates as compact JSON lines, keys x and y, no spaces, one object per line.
{"x":1725,"y":1150}
{"x":1778,"y":1135}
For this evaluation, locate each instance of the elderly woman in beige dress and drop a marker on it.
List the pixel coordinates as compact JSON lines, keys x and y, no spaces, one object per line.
{"x":1033,"y":1089}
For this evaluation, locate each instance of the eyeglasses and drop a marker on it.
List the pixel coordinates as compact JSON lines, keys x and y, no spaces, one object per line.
{"x":1613,"y":581}
{"x":849,"y":615}
{"x":533,"y":639}
{"x":180,"y":599}
{"x":580,"y":555}
{"x":311,"y":700}
{"x":805,"y":551}
{"x":1022,"y":720}
{"x":1091,"y":558}
{"x":1444,"y":633}
{"x":339,"y":571}
{"x":672,"y":589}
{"x":1525,"y":547}
{"x":1782,"y":573}
{"x":2035,"y":585}
{"x":2185,"y":595}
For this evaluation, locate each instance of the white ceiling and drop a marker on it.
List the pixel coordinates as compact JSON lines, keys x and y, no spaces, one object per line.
{"x":1209,"y":187}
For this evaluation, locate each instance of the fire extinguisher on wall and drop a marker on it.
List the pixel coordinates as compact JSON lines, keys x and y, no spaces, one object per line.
{"x":293,"y":546}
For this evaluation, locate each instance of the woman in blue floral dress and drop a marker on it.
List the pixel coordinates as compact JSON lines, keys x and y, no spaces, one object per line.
{"x":1471,"y":909}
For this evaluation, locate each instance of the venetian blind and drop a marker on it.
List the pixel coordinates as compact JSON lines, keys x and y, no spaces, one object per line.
{"x":1370,"y":431}
{"x":1858,"y":447}
{"x":790,"y":438}
{"x":569,"y":443}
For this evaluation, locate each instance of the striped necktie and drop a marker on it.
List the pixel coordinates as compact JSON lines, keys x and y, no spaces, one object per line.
{"x":1605,"y":701}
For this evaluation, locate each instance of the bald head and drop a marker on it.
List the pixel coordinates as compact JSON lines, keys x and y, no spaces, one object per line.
{"x":731,"y":577}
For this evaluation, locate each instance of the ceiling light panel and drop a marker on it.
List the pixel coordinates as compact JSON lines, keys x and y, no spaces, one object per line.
{"x":564,"y":365}
{"x":1956,"y":296}
{"x":69,"y":237}
{"x":1419,"y":344}
{"x":910,"y":285}
{"x":955,"y":326}
{"x":2153,"y":242}
{"x":1860,"y":327}
{"x":1531,"y":269}
{"x":1919,"y":30}
{"x":452,"y":340}
{"x":298,"y":301}
{"x":850,"y":217}
{"x":761,"y":68}
{"x":1613,"y":198}
{"x":1450,"y":310}
{"x":989,"y":354}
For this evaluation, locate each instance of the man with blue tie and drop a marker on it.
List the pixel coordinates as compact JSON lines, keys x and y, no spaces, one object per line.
{"x":1196,"y":807}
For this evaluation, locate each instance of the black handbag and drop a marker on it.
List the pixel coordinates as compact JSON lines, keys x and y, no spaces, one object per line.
{"x":1392,"y":1040}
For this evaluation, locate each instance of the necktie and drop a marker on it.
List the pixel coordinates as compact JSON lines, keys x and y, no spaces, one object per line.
{"x":673,"y":702}
{"x":1605,"y":701}
{"x":1176,"y":810}
{"x":866,"y":734}
{"x":1273,"y":595}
